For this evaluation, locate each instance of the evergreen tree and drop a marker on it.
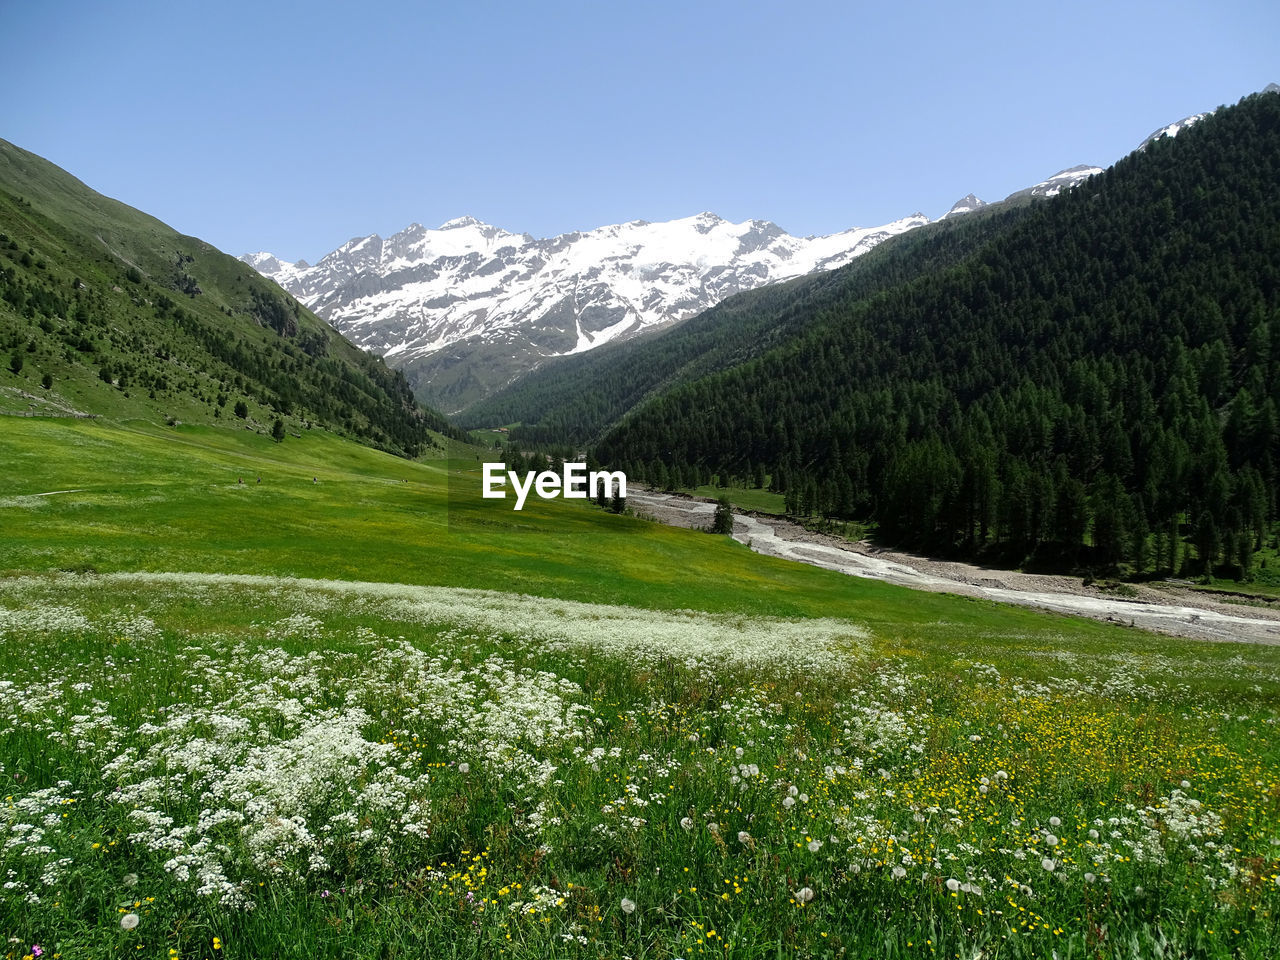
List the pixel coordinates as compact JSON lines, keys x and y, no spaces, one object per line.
{"x":723,"y":521}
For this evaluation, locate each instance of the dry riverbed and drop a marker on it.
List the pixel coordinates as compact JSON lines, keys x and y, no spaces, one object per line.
{"x":1167,"y":609}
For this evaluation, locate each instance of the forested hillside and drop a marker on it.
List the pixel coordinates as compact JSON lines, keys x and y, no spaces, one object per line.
{"x":107,"y":311}
{"x":1096,"y":381}
{"x":572,"y":400}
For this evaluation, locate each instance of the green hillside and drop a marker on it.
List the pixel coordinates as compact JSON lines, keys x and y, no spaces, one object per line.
{"x":1096,"y":383}
{"x":106,"y":311}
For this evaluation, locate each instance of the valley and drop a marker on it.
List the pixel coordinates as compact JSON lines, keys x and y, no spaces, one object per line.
{"x":283,"y":674}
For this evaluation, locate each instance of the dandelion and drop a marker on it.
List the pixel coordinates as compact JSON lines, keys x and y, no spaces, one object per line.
{"x":686,"y":823}
{"x":815,"y":846}
{"x":899,"y":872}
{"x":628,"y":906}
{"x":1055,"y":822}
{"x":804,"y":894}
{"x":788,"y":802}
{"x":953,"y":884}
{"x":130,"y":880}
{"x":1051,"y":840}
{"x":1001,"y":775}
{"x":129,"y":921}
{"x":744,"y":837}
{"x":1048,"y":865}
{"x":792,"y":790}
{"x":1185,"y":784}
{"x":803,"y":798}
{"x":464,"y":767}
{"x":1090,"y":878}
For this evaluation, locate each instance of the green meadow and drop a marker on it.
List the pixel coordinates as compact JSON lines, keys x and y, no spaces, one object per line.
{"x":298,"y":700}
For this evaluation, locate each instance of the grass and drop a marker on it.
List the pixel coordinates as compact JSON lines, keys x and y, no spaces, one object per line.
{"x":157,"y":498}
{"x":395,"y":771}
{"x":744,"y":498}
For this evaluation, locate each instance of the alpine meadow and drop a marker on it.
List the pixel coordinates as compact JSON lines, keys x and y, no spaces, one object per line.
{"x":889,"y":593}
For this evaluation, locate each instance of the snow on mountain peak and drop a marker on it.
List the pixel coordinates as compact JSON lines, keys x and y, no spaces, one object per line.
{"x":966,"y":204}
{"x":1173,"y":129}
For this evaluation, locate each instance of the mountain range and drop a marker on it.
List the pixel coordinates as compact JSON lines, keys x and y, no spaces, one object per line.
{"x":467,"y":307}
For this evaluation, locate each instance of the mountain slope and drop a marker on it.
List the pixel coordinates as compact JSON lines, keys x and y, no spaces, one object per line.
{"x":1099,"y":378}
{"x":105,"y":310}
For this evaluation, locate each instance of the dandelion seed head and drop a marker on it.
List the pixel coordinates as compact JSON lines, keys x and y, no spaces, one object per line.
{"x":129,"y":921}
{"x":628,"y":906}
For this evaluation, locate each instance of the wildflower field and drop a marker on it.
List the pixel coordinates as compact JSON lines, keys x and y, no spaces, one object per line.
{"x":271,"y":763}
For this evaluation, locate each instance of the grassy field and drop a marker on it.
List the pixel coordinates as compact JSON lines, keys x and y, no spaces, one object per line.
{"x":744,"y":498}
{"x":339,"y":712}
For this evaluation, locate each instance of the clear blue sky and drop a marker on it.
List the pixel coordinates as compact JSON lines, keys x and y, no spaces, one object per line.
{"x":291,"y":127}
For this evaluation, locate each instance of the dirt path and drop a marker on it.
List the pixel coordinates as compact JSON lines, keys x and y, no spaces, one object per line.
{"x":1171,"y":610}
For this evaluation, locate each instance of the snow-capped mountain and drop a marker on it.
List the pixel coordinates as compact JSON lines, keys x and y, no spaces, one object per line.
{"x":966,"y":204}
{"x":474,"y":294}
{"x":1173,"y":129}
{"x":1062,"y":180}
